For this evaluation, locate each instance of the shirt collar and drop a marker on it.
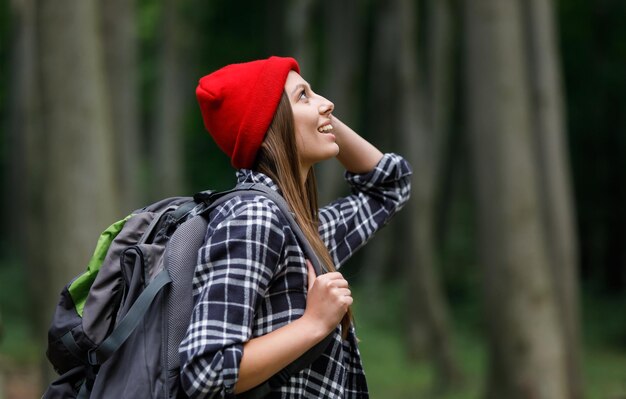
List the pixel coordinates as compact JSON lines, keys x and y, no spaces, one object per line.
{"x":251,"y":176}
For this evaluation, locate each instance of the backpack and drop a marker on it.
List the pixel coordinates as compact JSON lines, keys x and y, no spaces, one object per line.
{"x":117,"y":327}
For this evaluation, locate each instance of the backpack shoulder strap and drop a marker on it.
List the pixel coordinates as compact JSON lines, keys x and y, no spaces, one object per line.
{"x":130,"y":321}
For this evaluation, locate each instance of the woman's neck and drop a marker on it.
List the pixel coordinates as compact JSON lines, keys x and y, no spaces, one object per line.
{"x":304,"y":173}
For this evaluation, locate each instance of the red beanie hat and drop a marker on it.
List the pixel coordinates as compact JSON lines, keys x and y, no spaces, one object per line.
{"x":238,"y":103}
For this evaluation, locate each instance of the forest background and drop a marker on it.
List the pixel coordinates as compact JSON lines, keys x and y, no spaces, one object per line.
{"x":504,"y":277}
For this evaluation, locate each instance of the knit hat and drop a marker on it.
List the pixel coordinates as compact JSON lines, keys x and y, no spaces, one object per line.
{"x":238,"y":103}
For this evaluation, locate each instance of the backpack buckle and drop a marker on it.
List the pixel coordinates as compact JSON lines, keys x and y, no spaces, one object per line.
{"x":92,"y":357}
{"x":204,"y":196}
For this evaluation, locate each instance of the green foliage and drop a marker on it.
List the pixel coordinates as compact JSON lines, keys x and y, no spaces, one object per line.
{"x":16,"y":338}
{"x":604,"y":321}
{"x":605,"y":374}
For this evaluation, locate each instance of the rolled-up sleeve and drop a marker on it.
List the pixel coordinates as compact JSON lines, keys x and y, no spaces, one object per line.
{"x":348,"y":223}
{"x":235,"y":267}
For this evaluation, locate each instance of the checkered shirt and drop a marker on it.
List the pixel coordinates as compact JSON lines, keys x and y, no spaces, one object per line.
{"x":251,"y":279}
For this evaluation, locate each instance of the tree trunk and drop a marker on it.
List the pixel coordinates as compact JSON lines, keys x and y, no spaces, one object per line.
{"x":119,"y":35}
{"x":24,"y":152}
{"x":428,"y":324}
{"x":382,"y":121}
{"x":298,"y":27}
{"x":554,"y":176}
{"x":78,"y":191}
{"x":527,"y":357}
{"x":175,"y":85}
{"x":25,"y":166}
{"x":382,"y":113}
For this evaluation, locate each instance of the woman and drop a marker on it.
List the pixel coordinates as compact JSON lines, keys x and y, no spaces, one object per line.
{"x":258,"y":303}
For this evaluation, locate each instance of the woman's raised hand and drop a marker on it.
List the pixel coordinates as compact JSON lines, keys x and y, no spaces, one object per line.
{"x":328,"y":298}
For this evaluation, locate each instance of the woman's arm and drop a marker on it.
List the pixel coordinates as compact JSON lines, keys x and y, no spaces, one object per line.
{"x":356,"y":154}
{"x":328,"y":299}
{"x":348,"y":223}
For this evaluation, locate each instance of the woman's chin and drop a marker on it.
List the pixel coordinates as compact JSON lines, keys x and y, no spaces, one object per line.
{"x":329,"y":152}
{"x":333,"y":151}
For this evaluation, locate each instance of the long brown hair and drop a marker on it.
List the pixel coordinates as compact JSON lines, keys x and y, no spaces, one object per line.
{"x":278,"y":159}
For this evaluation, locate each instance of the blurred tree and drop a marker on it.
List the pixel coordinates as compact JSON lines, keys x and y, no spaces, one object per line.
{"x":119,"y":33}
{"x":78,"y":191}
{"x":423,"y":101}
{"x":527,"y":350}
{"x":299,"y":16}
{"x":381,"y":124}
{"x":556,"y":198}
{"x":24,"y":166}
{"x":175,"y":85}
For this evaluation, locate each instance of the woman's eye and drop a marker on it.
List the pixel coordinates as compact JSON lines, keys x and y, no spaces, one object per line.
{"x":302,"y":95}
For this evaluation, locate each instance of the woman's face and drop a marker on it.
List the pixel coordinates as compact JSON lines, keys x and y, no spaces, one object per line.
{"x":312,"y":117}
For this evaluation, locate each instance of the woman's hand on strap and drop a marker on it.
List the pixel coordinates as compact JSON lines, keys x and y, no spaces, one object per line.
{"x":328,"y":299}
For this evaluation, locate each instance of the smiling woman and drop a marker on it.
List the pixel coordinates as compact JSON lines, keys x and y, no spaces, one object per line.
{"x":259,"y":304}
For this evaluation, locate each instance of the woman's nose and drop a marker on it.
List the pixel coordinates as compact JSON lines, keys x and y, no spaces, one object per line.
{"x":326,"y":107}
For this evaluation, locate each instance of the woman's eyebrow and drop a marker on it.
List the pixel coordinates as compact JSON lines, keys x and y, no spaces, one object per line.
{"x":299,"y":86}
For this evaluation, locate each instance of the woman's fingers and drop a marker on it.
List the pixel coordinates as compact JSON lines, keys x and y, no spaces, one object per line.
{"x":312,"y":275}
{"x":328,"y":280}
{"x":331,"y":276}
{"x":339,"y":283}
{"x":343,"y":292}
{"x":332,"y":280}
{"x":332,"y":283}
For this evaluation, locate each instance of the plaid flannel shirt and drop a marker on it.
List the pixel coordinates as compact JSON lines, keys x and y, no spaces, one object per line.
{"x":251,"y":279}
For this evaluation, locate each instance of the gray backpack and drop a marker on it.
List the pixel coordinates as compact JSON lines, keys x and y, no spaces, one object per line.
{"x":117,"y":327}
